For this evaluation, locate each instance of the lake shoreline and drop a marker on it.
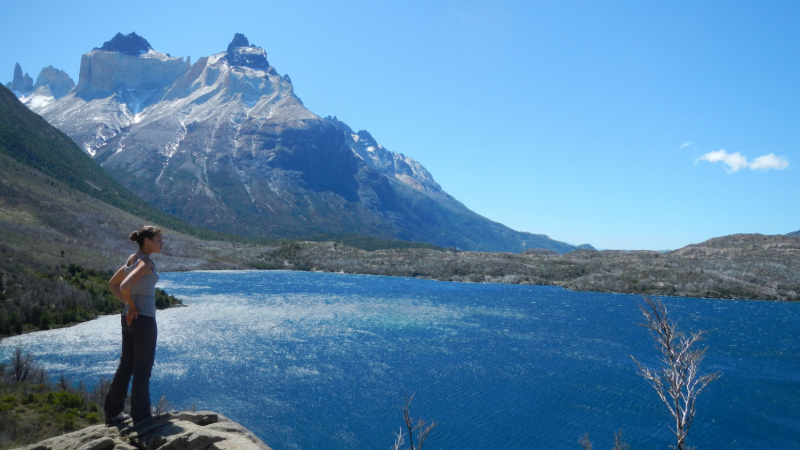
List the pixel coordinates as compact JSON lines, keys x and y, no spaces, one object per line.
{"x":746,"y":266}
{"x":296,"y":356}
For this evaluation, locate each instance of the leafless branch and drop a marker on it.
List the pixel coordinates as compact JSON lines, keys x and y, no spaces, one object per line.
{"x":162,"y":406}
{"x":585,"y":443}
{"x":21,"y":364}
{"x":619,"y":442}
{"x":399,"y":441}
{"x":420,"y":426}
{"x":677,"y":382}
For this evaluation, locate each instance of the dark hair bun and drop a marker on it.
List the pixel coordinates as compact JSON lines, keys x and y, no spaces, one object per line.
{"x":146,"y":232}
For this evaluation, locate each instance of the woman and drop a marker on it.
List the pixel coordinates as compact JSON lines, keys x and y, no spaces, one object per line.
{"x":134,"y":284}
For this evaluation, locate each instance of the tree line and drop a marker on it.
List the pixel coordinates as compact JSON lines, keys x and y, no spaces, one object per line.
{"x":36,"y":296}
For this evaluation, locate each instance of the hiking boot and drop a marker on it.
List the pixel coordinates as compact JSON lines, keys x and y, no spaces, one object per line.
{"x":118,"y":419}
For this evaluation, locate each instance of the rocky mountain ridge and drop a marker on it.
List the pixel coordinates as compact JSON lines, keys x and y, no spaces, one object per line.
{"x":225,"y":144}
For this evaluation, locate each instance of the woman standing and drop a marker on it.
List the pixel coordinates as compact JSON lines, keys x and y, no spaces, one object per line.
{"x":134,"y":284}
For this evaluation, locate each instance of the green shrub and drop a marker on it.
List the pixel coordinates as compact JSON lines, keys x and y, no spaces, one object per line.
{"x":67,"y":400}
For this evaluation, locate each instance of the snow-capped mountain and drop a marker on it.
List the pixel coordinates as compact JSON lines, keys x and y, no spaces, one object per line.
{"x":225,"y":143}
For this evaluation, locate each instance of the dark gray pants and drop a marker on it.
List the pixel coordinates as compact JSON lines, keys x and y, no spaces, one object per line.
{"x":138,"y":355}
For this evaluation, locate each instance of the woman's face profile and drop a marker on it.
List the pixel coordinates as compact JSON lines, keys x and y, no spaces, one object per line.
{"x":154,"y":245}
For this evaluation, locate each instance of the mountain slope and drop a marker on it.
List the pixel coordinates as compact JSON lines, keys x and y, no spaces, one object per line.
{"x":30,"y":140}
{"x":794,"y":233}
{"x":225,"y":144}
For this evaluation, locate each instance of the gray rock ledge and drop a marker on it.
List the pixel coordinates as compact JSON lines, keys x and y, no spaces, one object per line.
{"x":176,"y":430}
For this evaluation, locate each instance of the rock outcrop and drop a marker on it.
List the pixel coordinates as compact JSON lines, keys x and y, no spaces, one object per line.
{"x":128,"y":44}
{"x":53,"y":82}
{"x":21,"y":84}
{"x":133,"y":78}
{"x":241,"y":53}
{"x":171,"y":431}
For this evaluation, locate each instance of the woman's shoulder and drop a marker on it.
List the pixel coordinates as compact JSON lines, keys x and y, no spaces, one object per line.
{"x":136,"y":258}
{"x":149,"y":262}
{"x":131,"y":260}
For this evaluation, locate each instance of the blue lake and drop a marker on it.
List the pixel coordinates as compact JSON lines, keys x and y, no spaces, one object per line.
{"x":321,"y":361}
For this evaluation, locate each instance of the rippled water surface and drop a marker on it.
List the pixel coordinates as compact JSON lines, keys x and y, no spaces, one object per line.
{"x":321,"y":361}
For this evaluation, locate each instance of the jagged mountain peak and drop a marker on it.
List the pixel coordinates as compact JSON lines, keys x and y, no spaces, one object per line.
{"x":239,"y":40}
{"x":53,"y":82}
{"x":129,"y":44}
{"x":225,"y":144}
{"x":367,"y":138}
{"x":241,"y":53}
{"x":21,"y":84}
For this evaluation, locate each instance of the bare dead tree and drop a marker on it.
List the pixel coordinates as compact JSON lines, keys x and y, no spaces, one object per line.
{"x":619,"y":442}
{"x":21,"y":364}
{"x":101,"y":390}
{"x":399,"y":441}
{"x":162,"y":406}
{"x":63,"y":382}
{"x":585,"y":443}
{"x":418,"y":426}
{"x":677,"y":382}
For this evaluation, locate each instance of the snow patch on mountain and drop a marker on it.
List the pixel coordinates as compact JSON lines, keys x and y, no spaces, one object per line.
{"x":225,"y":143}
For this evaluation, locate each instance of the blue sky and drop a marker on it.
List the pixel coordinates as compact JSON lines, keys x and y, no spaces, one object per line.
{"x":626,"y":124}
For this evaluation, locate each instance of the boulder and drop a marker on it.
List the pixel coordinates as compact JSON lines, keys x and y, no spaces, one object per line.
{"x":177,"y":430}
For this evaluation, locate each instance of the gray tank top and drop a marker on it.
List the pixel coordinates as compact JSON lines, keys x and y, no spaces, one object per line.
{"x":143,"y":292}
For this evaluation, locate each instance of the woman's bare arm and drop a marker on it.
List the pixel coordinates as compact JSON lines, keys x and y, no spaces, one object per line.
{"x":123,"y":287}
{"x":114,"y":283}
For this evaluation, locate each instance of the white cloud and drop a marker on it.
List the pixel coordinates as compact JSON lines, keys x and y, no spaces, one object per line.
{"x":685,"y":145}
{"x":770,"y":161}
{"x":736,"y":162}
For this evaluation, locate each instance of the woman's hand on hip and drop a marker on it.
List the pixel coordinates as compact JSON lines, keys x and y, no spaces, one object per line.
{"x":132,"y":314}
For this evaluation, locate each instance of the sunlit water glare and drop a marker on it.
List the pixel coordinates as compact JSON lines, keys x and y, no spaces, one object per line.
{"x":321,"y":361}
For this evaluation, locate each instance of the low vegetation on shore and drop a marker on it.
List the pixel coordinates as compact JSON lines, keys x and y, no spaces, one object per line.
{"x":35,"y":296}
{"x":745,"y":266}
{"x":34,"y":407}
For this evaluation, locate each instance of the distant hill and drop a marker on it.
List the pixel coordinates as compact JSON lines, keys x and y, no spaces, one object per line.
{"x":745,"y":266}
{"x":226,"y":144}
{"x":794,"y":234}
